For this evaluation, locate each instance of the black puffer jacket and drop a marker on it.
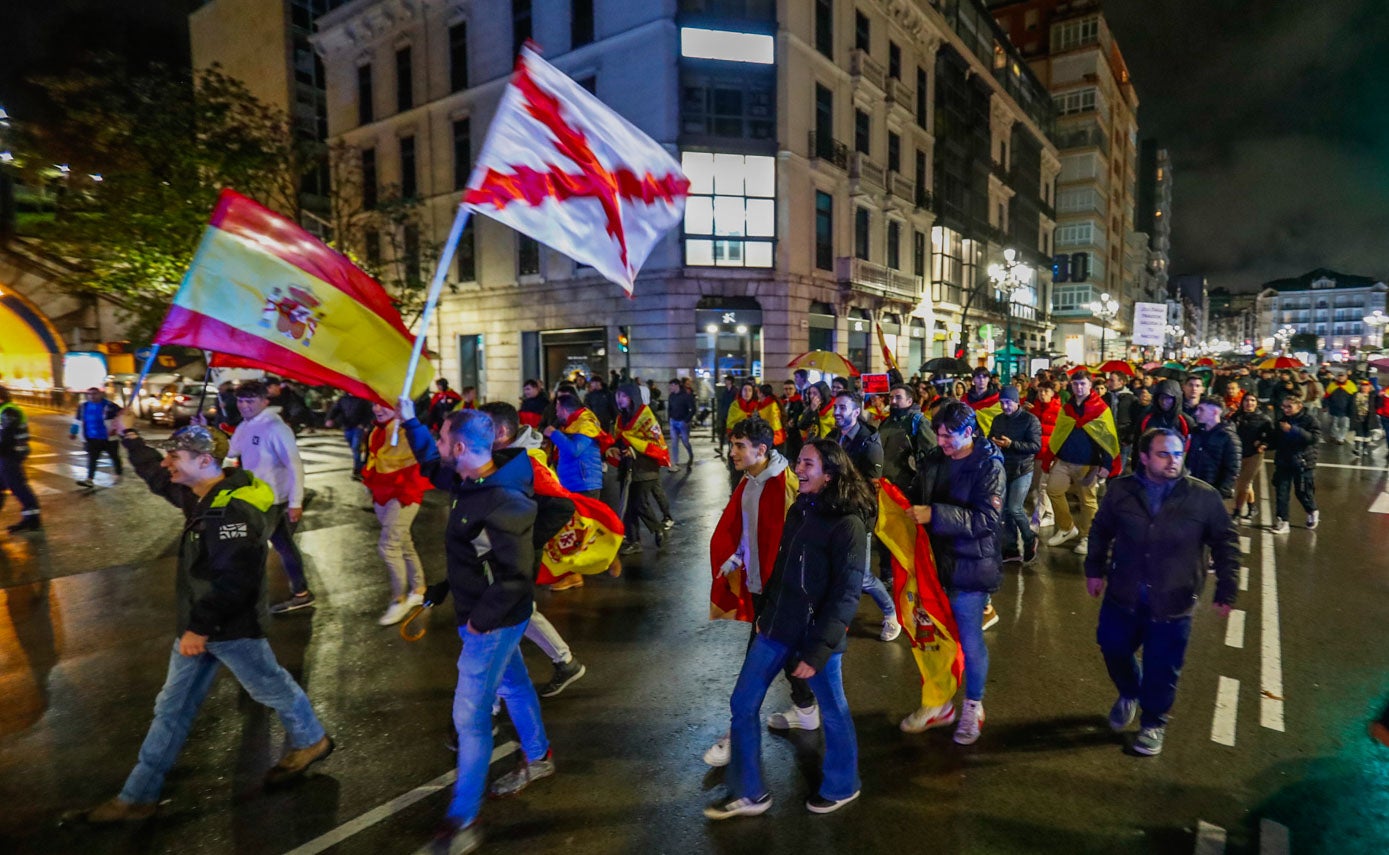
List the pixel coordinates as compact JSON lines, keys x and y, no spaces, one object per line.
{"x":966,"y":499}
{"x":1213,"y":456}
{"x":1254,"y":429}
{"x":1135,"y":551}
{"x":816,"y":582}
{"x":1296,"y":448}
{"x":1025,"y":431}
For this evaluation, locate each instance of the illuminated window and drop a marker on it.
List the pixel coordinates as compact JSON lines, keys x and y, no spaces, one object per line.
{"x":696,"y":43}
{"x":730,"y":216}
{"x":1079,"y":101}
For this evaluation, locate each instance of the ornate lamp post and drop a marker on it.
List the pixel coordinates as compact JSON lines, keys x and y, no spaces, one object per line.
{"x":1105,"y":308}
{"x":1005,"y":279}
{"x":1376,"y":321}
{"x":1284,"y":335}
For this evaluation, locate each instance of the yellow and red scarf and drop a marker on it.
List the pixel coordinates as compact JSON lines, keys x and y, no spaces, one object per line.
{"x":740,"y":410}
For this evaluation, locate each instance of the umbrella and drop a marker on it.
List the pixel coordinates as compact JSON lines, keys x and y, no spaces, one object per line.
{"x":1174,"y":365}
{"x":946,"y":365}
{"x":1381,"y":364}
{"x":1276,"y":362}
{"x":1116,"y":365}
{"x":1204,"y":362}
{"x":826,"y":362}
{"x":1149,"y":366}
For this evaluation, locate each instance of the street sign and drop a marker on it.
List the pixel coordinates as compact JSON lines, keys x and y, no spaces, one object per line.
{"x":1149,"y":324}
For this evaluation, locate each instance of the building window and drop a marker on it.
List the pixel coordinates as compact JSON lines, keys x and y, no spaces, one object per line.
{"x":458,"y":57}
{"x":918,"y":253}
{"x":824,"y":117}
{"x":824,"y":231}
{"x":466,"y":254}
{"x":894,"y":245}
{"x":861,"y":233}
{"x":1073,"y":34}
{"x":920,"y":178}
{"x":727,"y":45}
{"x":824,"y":27}
{"x":861,"y":129}
{"x":863,"y":36}
{"x":921,"y":98}
{"x":409,"y":184}
{"x":894,"y":152}
{"x":1078,"y":101}
{"x":404,"y":83}
{"x":730,"y":215}
{"x":1075,"y":234}
{"x":581,"y":23}
{"x":728,"y":104}
{"x":520,"y":24}
{"x":527,"y":255}
{"x":947,"y":264}
{"x":410,"y":252}
{"x":371,"y":248}
{"x":462,"y":152}
{"x":894,"y":60}
{"x":364,"y":113}
{"x":369,"y":196}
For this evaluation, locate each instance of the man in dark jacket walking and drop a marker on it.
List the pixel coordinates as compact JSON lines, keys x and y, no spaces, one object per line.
{"x":680,"y":407}
{"x":1019,"y":434}
{"x":1296,"y":433}
{"x":354,"y":416}
{"x":1148,"y":557}
{"x":221,"y":612}
{"x":14,"y":449}
{"x":1214,"y":456}
{"x":724,"y":396}
{"x":958,"y":499}
{"x":860,"y":441}
{"x":490,"y":556}
{"x":600,"y":400}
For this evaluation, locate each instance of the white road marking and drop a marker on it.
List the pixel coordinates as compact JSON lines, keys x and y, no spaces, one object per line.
{"x":1271,"y":666}
{"x":1210,"y":839}
{"x":1226,"y":707}
{"x":1380,"y":505}
{"x":1244,"y":544}
{"x":390,"y":808}
{"x":1273,"y":838}
{"x":1234,"y":629}
{"x":1244,"y":578}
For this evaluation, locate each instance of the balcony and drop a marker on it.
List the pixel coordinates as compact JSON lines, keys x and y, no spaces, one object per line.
{"x":829,"y":149}
{"x":865,"y":69}
{"x":865,"y":176}
{"x":1087,"y":136}
{"x":901,"y":186}
{"x":925,"y":200}
{"x":898,"y":95}
{"x":879,"y":281}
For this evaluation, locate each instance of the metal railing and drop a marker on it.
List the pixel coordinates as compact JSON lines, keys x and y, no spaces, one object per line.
{"x":876,"y":279}
{"x":829,"y":149}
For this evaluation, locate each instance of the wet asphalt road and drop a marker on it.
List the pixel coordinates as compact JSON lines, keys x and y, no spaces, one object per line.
{"x":87,"y":622}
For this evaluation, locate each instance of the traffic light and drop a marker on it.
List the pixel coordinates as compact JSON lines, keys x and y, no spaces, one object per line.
{"x":624,"y":341}
{"x":960,"y":352}
{"x":1080,"y":266}
{"x":1061,"y":268}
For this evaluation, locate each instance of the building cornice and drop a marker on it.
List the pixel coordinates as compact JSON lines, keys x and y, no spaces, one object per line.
{"x":357,"y":25}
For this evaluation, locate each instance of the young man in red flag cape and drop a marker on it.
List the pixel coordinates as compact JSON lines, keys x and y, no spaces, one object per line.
{"x":983,"y":400}
{"x":744,"y":548}
{"x":643,"y":444}
{"x":1083,"y":449}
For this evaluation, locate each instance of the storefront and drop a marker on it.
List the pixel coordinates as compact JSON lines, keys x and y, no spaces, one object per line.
{"x":728,"y":338}
{"x":860,"y":334}
{"x":821,"y":323}
{"x":555,"y":355}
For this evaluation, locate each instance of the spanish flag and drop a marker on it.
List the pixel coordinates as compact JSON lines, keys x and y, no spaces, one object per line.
{"x":588,"y":543}
{"x":582,"y":422}
{"x":922,"y":606}
{"x":642,"y":433}
{"x":888,"y":359}
{"x":263,"y":293}
{"x":984,"y":410}
{"x":741,"y":409}
{"x":770,"y":411}
{"x":729,"y":597}
{"x":1097,"y":421}
{"x":824,"y":424}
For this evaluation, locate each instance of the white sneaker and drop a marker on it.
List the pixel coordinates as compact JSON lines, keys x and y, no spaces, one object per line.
{"x":795,"y":718}
{"x":971,"y":719}
{"x":395,"y":613}
{"x":1281,"y":527}
{"x":1047,"y":521}
{"x":926,"y":718}
{"x":1313,"y":518}
{"x":415,"y":599}
{"x":1083,"y":548}
{"x":1062,"y":536}
{"x":891,"y":629}
{"x":720,"y":752}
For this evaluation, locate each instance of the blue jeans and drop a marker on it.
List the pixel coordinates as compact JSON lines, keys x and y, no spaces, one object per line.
{"x":355,"y":437}
{"x":189,"y":679}
{"x":1153,"y":682}
{"x":875,"y":588}
{"x":968,"y":607}
{"x":1016,"y":522}
{"x":489,"y":665}
{"x":764,"y":660}
{"x":679,"y":432}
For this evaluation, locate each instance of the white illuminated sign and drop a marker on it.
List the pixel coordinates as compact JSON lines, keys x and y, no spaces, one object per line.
{"x":696,"y":43}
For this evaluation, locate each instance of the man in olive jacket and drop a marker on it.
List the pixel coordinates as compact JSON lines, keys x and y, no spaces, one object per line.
{"x":1148,"y":557}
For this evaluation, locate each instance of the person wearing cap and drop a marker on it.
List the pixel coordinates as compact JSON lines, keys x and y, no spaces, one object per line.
{"x":266,"y":446}
{"x":1018,"y":434}
{"x":220,"y":591}
{"x":93,"y":421}
{"x":14,"y":448}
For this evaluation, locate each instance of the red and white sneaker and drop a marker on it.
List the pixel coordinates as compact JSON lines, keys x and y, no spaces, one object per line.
{"x":971,"y":720}
{"x":926,"y":718}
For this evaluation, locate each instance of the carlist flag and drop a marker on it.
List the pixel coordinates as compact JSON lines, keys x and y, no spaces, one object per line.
{"x":560,"y":166}
{"x":263,"y":293}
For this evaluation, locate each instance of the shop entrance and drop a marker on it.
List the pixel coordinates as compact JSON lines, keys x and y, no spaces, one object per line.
{"x":566,"y":352}
{"x":728,"y":338}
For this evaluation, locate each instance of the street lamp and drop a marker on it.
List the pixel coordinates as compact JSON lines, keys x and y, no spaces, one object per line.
{"x":1284,"y":335}
{"x":1006,"y":280}
{"x":1376,"y":321}
{"x":1105,"y":308}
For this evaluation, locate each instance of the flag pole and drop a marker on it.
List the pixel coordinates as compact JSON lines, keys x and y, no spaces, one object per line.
{"x":460,"y":222}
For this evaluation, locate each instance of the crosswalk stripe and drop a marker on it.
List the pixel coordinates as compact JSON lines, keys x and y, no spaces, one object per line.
{"x":1273,"y":838}
{"x":1210,"y":839}
{"x":1226,"y":711}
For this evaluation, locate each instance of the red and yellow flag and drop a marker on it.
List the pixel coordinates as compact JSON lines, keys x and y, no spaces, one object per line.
{"x":888,"y":358}
{"x":588,"y":543}
{"x":770,"y":411}
{"x":922,"y":606}
{"x":984,"y":410}
{"x":582,"y":422}
{"x":263,"y":293}
{"x":741,"y":409}
{"x":643,"y":434}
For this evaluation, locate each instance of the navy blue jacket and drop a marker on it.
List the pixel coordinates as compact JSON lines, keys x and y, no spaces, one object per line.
{"x":966,"y":499}
{"x":1214,"y":457}
{"x":1025,"y":430}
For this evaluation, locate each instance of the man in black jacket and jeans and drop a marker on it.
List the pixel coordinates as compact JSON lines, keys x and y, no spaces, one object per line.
{"x":860,"y":441}
{"x":1148,"y":557}
{"x":1214,"y":456}
{"x":1019,"y":434}
{"x":1296,"y":433}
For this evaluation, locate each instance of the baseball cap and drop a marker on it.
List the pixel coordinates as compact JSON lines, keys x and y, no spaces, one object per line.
{"x":198,"y":439}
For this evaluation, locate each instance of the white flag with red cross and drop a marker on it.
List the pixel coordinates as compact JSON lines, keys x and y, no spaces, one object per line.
{"x":560,"y":166}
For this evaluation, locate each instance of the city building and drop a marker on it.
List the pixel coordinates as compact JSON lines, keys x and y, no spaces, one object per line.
{"x":1192,"y":291}
{"x":1233,"y":319}
{"x":1153,"y":213}
{"x":852,"y":164}
{"x":1069,"y":45}
{"x":1335,"y":307}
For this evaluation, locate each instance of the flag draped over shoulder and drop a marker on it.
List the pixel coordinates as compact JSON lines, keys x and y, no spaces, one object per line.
{"x":1097,"y":421}
{"x":737,"y":411}
{"x":729,"y":597}
{"x":582,"y":422}
{"x":922,"y":606}
{"x":588,"y":543}
{"x":263,"y":293}
{"x":560,"y":166}
{"x":643,"y":435}
{"x":770,"y":411}
{"x":985,"y":409}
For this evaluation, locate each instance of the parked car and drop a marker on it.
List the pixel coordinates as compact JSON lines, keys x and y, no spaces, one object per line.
{"x":119,"y":387}
{"x":178,"y":403}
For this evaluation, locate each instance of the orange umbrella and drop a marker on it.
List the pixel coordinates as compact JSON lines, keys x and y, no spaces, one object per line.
{"x":826,"y":362}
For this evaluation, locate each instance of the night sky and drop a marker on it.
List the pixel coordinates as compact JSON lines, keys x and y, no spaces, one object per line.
{"x":1276,"y":114}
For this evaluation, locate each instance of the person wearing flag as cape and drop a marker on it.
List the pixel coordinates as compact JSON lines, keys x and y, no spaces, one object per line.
{"x":745,"y":406}
{"x":769,"y":409}
{"x":1083,"y":448}
{"x":392,"y":476}
{"x":982,"y":399}
{"x":641,"y":445}
{"x":743,"y":549}
{"x":580,"y":443}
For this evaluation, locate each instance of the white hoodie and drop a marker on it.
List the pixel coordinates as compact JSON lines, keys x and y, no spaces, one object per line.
{"x":265,"y":446}
{"x":752,"y":501}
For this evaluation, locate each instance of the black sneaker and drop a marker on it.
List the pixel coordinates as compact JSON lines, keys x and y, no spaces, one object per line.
{"x":294,"y":603}
{"x":819,"y":804}
{"x":729,"y":807}
{"x":629,"y":546}
{"x":565,"y":673}
{"x":1029,"y":551}
{"x":26,"y":523}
